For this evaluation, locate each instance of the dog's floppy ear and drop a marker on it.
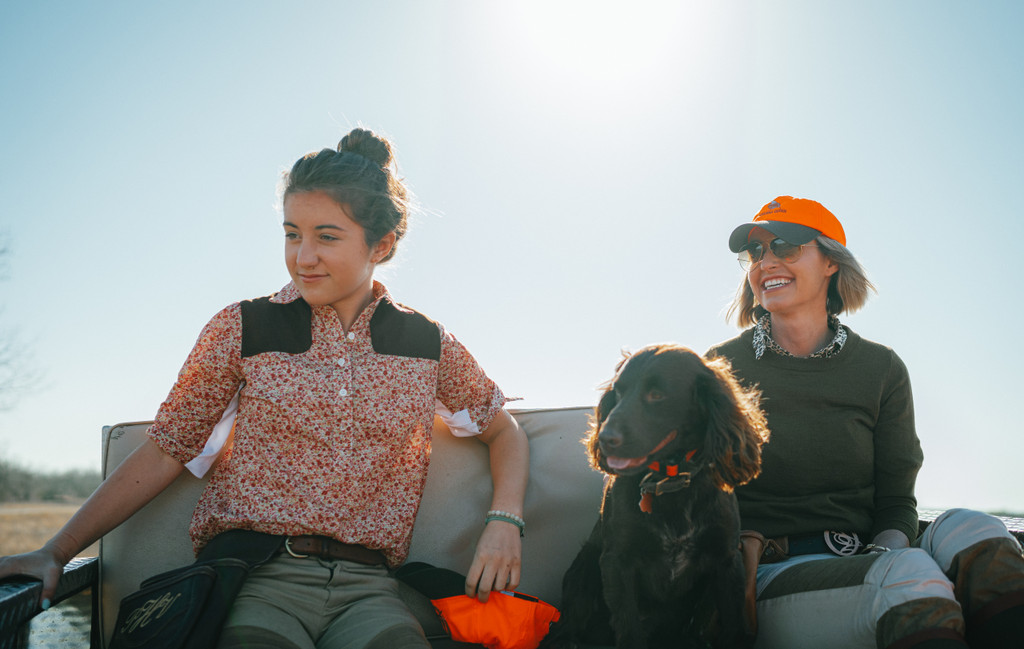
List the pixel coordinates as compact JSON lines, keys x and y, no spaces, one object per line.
{"x":601,"y":412}
{"x":604,"y":407}
{"x":736,"y":425}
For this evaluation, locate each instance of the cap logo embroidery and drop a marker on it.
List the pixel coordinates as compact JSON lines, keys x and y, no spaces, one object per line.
{"x":771,"y":208}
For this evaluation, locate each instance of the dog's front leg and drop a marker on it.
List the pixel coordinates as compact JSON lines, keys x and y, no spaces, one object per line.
{"x":733,"y":632}
{"x":584,"y":619}
{"x":621,"y":594}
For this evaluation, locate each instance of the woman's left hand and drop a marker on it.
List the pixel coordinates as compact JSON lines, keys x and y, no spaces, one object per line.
{"x":499,"y":551}
{"x":496,"y":562}
{"x":889,"y":540}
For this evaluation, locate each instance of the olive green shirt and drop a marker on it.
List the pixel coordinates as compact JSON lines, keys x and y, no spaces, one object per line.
{"x":843,"y":453}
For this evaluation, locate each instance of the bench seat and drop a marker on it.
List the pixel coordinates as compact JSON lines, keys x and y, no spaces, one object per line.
{"x":561,"y":506}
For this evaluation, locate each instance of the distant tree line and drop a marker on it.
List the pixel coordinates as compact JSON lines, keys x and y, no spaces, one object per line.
{"x":17,"y":373}
{"x":18,"y":484}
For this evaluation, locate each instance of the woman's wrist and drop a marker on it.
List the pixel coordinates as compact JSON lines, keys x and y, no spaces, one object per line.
{"x":890,"y":539}
{"x":507,"y":517}
{"x":57,"y":547}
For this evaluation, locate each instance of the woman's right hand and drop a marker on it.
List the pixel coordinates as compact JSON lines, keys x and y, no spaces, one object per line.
{"x":136,"y":481}
{"x":44,"y":564}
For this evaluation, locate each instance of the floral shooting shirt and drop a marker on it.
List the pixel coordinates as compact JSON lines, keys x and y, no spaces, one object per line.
{"x":332,"y":434}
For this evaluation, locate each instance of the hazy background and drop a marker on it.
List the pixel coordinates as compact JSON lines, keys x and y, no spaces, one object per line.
{"x":580,"y":166}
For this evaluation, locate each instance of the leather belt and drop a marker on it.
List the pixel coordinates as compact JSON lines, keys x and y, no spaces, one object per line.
{"x":327,"y":548}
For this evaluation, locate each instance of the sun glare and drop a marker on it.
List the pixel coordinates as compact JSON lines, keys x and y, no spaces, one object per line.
{"x":599,"y":53}
{"x":598,"y":41}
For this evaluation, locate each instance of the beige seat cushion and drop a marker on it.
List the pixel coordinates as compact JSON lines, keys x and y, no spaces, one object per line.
{"x":562,"y":502}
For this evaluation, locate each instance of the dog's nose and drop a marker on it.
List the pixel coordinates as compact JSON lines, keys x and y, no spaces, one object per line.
{"x":610,"y":438}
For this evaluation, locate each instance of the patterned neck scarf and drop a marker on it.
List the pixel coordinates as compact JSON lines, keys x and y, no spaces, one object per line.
{"x":763,"y":339}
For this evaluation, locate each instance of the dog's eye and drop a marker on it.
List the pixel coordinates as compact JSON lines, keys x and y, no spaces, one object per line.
{"x":654,"y":396}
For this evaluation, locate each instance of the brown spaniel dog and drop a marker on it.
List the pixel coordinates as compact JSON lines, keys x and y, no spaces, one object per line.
{"x":662,"y":568}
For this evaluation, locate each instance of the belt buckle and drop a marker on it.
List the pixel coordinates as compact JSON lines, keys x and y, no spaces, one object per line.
{"x":288,"y":549}
{"x":842,"y":543}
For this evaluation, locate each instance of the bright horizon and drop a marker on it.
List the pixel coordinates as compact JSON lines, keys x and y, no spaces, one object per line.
{"x":578,"y":166}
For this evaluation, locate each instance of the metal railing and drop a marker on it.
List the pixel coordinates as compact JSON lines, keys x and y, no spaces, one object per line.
{"x":19,"y":600}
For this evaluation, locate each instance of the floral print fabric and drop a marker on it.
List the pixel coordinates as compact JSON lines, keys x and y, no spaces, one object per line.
{"x":333,"y":441}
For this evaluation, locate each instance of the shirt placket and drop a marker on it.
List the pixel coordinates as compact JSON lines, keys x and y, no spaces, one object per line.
{"x":347,"y":351}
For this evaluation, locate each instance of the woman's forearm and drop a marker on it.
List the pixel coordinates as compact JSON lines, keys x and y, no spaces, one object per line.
{"x":136,"y":481}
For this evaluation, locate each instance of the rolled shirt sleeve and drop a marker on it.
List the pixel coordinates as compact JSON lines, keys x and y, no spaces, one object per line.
{"x":205,"y":386}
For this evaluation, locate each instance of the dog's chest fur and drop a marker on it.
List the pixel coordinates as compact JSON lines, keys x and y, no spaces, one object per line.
{"x":677,"y":549}
{"x":674,"y":543}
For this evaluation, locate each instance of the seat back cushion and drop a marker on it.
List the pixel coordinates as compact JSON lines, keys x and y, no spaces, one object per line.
{"x":562,"y":502}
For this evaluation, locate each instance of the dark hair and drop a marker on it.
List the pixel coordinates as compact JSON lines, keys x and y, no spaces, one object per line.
{"x":358,"y":175}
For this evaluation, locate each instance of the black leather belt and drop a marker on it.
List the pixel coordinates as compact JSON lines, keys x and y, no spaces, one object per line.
{"x":842,"y":544}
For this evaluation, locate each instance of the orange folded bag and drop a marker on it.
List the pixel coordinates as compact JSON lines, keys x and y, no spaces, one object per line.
{"x":507,"y":620}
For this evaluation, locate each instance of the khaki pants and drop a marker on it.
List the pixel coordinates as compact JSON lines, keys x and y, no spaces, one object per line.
{"x":312,"y":603}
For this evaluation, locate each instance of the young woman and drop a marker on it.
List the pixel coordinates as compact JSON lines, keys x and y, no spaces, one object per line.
{"x":842,"y":563}
{"x":336,"y":386}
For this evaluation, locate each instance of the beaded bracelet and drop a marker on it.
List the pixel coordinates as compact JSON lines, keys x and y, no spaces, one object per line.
{"x":508,"y":517}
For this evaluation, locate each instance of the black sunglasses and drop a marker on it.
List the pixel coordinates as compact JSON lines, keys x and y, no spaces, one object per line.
{"x":752,"y":253}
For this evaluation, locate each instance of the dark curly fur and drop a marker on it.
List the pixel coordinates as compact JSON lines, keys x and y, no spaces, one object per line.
{"x":672,"y":577}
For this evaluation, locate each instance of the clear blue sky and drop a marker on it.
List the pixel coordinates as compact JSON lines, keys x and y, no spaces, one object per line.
{"x":579,"y":166}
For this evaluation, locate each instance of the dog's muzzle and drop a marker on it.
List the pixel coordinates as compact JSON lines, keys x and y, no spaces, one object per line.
{"x":618,"y":463}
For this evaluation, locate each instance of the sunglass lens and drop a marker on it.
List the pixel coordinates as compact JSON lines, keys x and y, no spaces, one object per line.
{"x":751,"y":254}
{"x":785,"y":250}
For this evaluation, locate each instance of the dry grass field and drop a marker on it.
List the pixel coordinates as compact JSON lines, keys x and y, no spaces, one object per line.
{"x":26,"y":526}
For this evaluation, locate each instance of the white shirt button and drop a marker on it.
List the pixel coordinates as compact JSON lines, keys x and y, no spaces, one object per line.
{"x":341,"y":361}
{"x":343,"y":392}
{"x":351,"y":336}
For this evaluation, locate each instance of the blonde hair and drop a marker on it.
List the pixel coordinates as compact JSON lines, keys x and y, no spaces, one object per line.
{"x":847,"y":290}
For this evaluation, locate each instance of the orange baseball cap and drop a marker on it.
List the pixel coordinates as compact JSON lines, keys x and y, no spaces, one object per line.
{"x":797,"y":220}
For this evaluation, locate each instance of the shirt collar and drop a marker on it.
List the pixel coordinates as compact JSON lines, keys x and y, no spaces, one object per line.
{"x":287,"y":294}
{"x":380,"y":293}
{"x":290,"y":293}
{"x":763,"y":339}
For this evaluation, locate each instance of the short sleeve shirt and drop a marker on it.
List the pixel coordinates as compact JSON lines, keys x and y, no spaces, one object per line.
{"x":333,"y":430}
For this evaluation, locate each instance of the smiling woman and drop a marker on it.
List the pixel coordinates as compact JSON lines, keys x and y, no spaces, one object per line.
{"x":329,"y":388}
{"x":327,"y":254}
{"x":777,"y":248}
{"x":835,"y":503}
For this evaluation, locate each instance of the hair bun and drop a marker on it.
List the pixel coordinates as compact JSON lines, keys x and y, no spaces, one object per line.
{"x":367,"y":144}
